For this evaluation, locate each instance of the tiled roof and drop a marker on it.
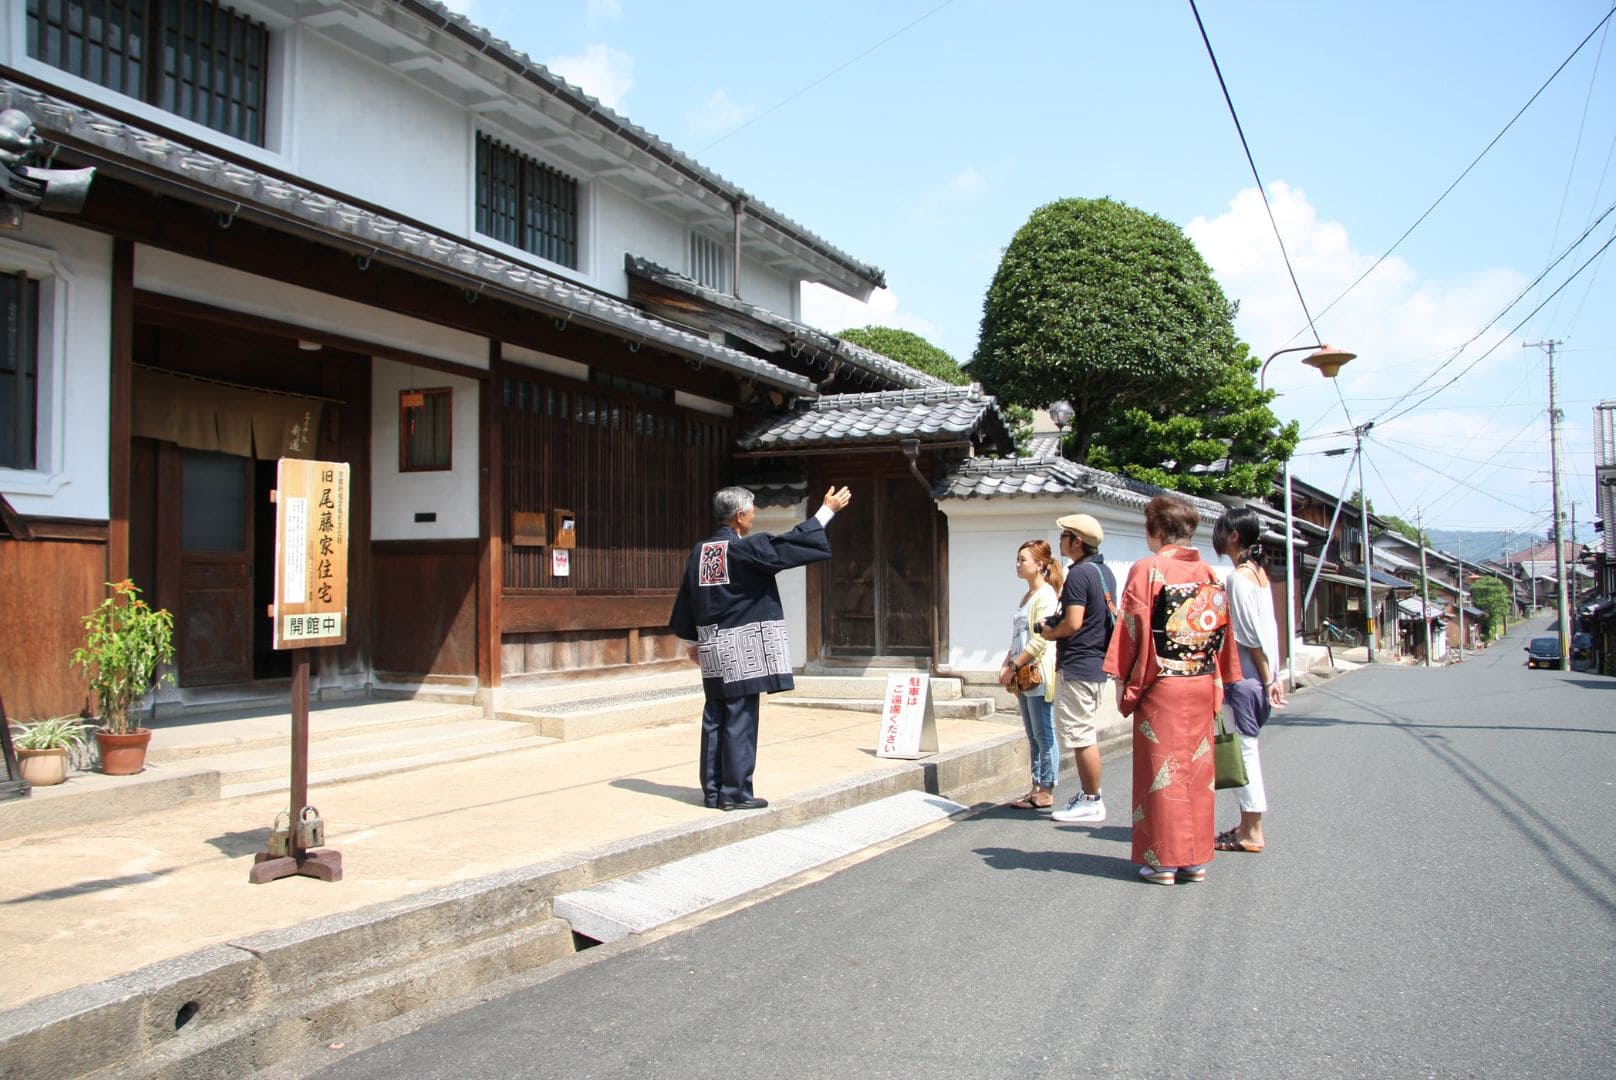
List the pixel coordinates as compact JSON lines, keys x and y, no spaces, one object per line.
{"x":280,"y":202}
{"x":797,"y":334}
{"x":767,"y":219}
{"x":939,"y":414}
{"x":988,"y":478}
{"x":1042,"y":444}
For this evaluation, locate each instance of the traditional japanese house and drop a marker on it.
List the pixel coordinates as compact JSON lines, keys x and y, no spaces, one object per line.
{"x":368,"y":231}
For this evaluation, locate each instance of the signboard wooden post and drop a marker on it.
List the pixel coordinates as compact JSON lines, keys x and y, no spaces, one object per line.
{"x":310,"y":611}
{"x":908,"y":722}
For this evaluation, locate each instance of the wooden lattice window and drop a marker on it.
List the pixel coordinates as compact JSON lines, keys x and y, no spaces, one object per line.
{"x":425,"y":433}
{"x":19,"y":370}
{"x":193,"y":58}
{"x":526,"y":204}
{"x":638,"y":473}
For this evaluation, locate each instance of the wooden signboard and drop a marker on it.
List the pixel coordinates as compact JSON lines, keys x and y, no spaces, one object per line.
{"x":311,"y":554}
{"x":908,"y":722}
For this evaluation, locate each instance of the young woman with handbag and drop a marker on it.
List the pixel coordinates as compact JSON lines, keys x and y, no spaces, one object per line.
{"x":1028,"y":671}
{"x":1251,"y":618}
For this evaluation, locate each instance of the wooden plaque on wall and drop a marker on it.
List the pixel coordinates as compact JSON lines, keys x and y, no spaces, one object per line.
{"x":529,"y":530}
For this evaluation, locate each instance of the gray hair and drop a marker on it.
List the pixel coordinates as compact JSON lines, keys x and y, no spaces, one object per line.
{"x":731,"y":501}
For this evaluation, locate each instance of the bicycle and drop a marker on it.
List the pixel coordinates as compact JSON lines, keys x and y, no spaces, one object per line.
{"x":1331,"y":634}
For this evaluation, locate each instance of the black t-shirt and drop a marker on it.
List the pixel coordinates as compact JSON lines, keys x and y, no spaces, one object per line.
{"x":1082,"y":655}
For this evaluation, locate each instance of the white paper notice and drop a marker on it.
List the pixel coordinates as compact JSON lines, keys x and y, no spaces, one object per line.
{"x":295,"y":574}
{"x":560,"y":562}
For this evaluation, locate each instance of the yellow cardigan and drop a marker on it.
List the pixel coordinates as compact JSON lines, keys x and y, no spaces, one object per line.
{"x":1043,"y":605}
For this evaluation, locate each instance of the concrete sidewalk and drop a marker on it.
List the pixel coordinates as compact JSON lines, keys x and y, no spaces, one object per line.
{"x":87,"y":903}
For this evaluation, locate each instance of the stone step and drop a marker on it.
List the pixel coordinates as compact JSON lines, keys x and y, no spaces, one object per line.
{"x":956,"y":709}
{"x":387,"y":766}
{"x":582,"y":719}
{"x":213,"y":736}
{"x":871,"y":686}
{"x":327,"y":755}
{"x":520,"y":695}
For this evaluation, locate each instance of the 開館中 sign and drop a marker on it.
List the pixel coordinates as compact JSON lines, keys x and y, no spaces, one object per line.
{"x":311,"y":554}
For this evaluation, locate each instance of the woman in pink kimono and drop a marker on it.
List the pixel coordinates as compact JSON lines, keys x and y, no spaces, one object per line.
{"x":1172,"y":652}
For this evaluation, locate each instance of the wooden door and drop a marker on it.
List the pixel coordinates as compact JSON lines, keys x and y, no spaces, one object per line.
{"x":213,"y":631}
{"x":881,"y":585}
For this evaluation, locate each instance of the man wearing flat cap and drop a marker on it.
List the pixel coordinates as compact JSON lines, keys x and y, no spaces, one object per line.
{"x":729,"y":606}
{"x":1081,"y":630}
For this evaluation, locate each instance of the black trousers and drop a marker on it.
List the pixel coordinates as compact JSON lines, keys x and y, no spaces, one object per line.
{"x":729,"y":728}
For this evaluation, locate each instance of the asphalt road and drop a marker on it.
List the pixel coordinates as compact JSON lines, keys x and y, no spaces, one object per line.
{"x":1438,"y":898}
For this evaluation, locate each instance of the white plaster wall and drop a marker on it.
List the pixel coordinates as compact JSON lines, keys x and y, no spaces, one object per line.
{"x":625,"y":224}
{"x":983,"y":590}
{"x":364,"y":129}
{"x":793,"y":584}
{"x":72,"y":437}
{"x":396,"y":497}
{"x":235,"y":290}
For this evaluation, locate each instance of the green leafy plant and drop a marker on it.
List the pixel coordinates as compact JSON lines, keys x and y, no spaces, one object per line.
{"x":54,"y":733}
{"x":125,"y":642}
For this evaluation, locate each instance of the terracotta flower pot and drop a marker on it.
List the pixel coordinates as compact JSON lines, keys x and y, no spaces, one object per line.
{"x":123,"y":755}
{"x":43,"y":768}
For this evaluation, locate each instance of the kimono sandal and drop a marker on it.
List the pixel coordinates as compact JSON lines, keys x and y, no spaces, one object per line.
{"x":1192,"y":873}
{"x":1160,"y":877}
{"x":1230,"y":841}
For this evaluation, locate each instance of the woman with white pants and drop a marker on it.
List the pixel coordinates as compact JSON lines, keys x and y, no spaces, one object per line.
{"x":1251,"y":617}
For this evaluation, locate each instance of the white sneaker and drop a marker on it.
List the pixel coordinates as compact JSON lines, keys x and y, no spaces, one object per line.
{"x":1081,"y":808}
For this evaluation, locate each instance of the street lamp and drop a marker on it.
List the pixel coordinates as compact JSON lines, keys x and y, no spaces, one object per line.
{"x":1328,"y":361}
{"x":1061,"y":413}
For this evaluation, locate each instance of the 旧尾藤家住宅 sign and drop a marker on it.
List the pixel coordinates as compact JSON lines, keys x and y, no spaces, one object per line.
{"x":311,"y":554}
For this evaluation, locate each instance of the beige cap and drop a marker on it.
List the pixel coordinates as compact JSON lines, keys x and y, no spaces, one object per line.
{"x":1083,"y":525}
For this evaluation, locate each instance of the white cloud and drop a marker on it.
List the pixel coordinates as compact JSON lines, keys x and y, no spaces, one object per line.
{"x":1400,"y":324}
{"x":1403,"y":325}
{"x":600,"y":71}
{"x":832,"y":311}
{"x":963,"y":186}
{"x":603,"y":11}
{"x":717,"y":113}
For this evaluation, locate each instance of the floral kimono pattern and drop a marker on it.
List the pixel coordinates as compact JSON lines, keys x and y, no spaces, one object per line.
{"x":1173,"y":651}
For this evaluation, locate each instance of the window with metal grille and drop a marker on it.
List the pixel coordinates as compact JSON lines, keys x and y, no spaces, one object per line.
{"x":525,"y":204}
{"x":424,"y":430}
{"x":19,"y":370}
{"x":710,"y":262}
{"x":193,"y":58}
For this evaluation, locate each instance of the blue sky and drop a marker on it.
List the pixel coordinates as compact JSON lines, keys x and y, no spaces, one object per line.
{"x":925,"y":154}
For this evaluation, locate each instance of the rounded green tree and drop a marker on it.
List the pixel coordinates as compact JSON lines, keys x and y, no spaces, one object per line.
{"x":908,"y":348}
{"x":1106,"y":306}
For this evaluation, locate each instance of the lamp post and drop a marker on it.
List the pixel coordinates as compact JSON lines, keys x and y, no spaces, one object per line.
{"x":1329,"y":362}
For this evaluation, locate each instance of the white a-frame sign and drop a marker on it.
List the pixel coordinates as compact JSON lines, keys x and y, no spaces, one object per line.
{"x":908,"y":723}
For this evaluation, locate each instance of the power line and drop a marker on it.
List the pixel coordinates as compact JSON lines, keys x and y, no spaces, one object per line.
{"x":1485,"y":150}
{"x":1469,"y":367}
{"x":1463,"y":483}
{"x":838,"y":69}
{"x":1261,"y":189}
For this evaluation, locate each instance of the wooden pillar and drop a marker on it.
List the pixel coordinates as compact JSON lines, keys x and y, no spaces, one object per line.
{"x":491,"y":524}
{"x":120,"y":380}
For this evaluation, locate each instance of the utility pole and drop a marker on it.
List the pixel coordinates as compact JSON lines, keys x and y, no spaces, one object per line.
{"x":1363,"y":518}
{"x":1425,"y":587}
{"x":1560,"y":600}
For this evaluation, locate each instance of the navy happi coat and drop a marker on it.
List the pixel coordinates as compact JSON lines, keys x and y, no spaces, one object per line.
{"x":729,"y":606}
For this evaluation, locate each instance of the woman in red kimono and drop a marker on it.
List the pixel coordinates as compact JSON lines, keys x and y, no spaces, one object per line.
{"x":1172,"y":652}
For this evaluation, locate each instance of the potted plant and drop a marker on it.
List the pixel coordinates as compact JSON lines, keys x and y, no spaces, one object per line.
{"x":44,"y":748}
{"x":126,"y":642}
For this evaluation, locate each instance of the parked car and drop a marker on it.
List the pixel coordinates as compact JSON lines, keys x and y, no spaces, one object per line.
{"x":1544,"y":652}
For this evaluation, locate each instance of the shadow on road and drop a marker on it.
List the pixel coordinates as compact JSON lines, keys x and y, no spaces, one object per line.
{"x":1062,"y":862}
{"x":1425,"y":725}
{"x":1516,"y":812}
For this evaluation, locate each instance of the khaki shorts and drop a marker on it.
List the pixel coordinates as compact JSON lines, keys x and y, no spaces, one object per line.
{"x":1077,"y":703}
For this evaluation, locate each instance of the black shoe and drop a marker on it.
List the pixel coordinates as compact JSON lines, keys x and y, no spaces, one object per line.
{"x":745,"y":804}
